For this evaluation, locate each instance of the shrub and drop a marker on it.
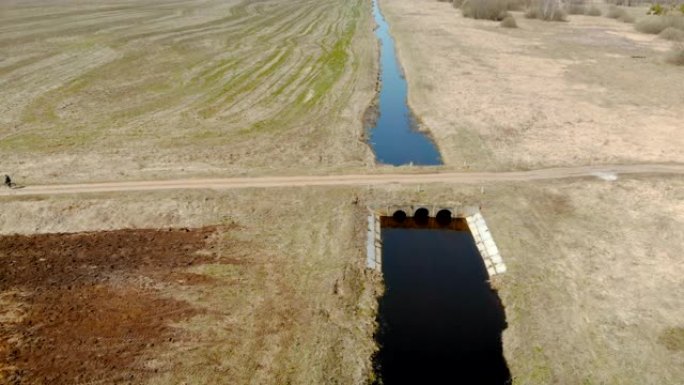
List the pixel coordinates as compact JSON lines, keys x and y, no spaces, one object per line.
{"x":657,"y":9}
{"x":485,"y":9}
{"x":576,"y":9}
{"x":517,"y":5}
{"x":593,"y":11}
{"x":511,"y":5}
{"x":626,"y":18}
{"x":548,"y":10}
{"x":509,"y":22}
{"x":619,"y":14}
{"x":627,"y":3}
{"x":676,"y":57}
{"x":657,"y":24}
{"x":673,"y":34}
{"x":615,"y":12}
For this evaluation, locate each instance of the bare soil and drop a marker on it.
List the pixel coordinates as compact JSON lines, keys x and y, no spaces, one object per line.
{"x":286,"y":299}
{"x":87,"y":306}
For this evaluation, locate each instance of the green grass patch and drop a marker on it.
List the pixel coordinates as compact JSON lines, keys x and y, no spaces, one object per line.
{"x":673,"y":338}
{"x":58,"y":141}
{"x":331,"y":65}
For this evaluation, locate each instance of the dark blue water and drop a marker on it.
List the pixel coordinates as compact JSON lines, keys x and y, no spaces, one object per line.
{"x":440,"y":321}
{"x":394,"y":138}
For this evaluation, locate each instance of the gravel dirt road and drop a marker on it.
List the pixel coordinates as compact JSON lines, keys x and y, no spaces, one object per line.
{"x":604,"y":172}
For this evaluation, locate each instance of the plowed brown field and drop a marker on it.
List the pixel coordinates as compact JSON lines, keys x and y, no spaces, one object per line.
{"x":87,"y":306}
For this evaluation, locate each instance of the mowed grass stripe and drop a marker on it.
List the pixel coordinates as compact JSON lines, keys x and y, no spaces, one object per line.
{"x":269,"y":65}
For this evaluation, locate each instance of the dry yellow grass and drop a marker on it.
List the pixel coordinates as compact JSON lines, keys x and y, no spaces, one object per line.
{"x":676,"y":56}
{"x":673,"y":34}
{"x":509,"y":22}
{"x":580,"y":298}
{"x":592,"y":289}
{"x":541,"y":95}
{"x":657,"y":24}
{"x":619,"y":13}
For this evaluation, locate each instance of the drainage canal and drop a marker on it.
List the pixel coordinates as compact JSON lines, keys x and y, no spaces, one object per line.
{"x":394,"y":138}
{"x":440,"y":321}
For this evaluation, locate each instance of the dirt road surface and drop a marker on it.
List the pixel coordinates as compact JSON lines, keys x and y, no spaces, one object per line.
{"x":605,"y":172}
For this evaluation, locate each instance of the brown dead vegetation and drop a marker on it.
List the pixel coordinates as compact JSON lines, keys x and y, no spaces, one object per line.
{"x":86,"y":306}
{"x":276,"y":296}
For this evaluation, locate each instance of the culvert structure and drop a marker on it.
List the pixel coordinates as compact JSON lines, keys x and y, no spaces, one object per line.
{"x":443,"y":215}
{"x":439,"y":319}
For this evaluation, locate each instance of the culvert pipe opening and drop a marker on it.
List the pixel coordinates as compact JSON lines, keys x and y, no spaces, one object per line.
{"x":443,"y":217}
{"x":399,"y":216}
{"x":421,"y":216}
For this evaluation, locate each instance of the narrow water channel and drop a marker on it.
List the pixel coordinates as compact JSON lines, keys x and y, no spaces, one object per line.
{"x":394,"y":138}
{"x":440,"y":321}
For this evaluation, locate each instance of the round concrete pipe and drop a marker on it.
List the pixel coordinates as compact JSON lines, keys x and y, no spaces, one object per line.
{"x":421,"y":216}
{"x":399,"y":215}
{"x":443,"y":217}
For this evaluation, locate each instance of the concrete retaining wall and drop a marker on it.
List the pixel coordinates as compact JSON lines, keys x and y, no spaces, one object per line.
{"x":485,"y":244}
{"x":374,"y":243}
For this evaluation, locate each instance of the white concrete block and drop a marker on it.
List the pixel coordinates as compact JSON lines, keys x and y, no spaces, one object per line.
{"x":493,"y":250}
{"x":477,"y":238}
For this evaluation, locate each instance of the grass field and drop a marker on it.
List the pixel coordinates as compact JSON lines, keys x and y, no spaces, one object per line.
{"x":145,"y":88}
{"x":587,"y":91}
